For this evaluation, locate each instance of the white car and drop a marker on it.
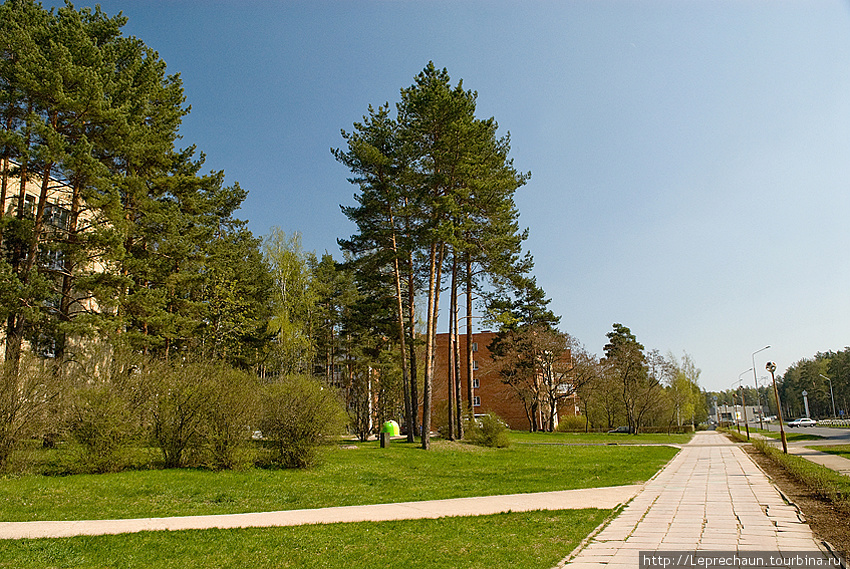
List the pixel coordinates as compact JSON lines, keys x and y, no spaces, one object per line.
{"x":802,"y":422}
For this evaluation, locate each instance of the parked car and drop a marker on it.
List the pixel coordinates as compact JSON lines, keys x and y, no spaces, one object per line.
{"x":802,"y":422}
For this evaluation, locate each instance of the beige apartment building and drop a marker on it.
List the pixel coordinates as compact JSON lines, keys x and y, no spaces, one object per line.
{"x":55,"y":198}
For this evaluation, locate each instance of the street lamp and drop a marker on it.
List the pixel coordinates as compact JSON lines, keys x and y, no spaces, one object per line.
{"x":758,"y":395}
{"x":771,"y":367}
{"x":806,"y":402}
{"x":744,"y":401}
{"x":831,"y":396}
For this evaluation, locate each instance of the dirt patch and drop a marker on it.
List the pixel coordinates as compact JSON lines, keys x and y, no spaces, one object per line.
{"x":827,"y":521}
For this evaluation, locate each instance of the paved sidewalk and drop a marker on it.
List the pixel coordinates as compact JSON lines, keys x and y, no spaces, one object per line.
{"x":606,"y":498}
{"x":710,"y":497}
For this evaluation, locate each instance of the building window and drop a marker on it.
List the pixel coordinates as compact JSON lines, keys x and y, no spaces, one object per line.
{"x":475,"y":384}
{"x":57,"y":216}
{"x":29,"y":205}
{"x":474,"y":346}
{"x":475,"y":364}
{"x":53,"y":259}
{"x":476,"y":401}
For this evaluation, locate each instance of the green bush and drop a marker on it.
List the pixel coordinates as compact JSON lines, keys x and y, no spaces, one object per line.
{"x":26,"y":395}
{"x":175,"y":410}
{"x":101,"y":409}
{"x":102,"y":422}
{"x":488,"y":430}
{"x":299,"y":414}
{"x":225,"y":429}
{"x":573,"y":423}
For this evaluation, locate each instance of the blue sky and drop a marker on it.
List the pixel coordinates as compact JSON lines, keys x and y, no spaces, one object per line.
{"x":690,"y":160}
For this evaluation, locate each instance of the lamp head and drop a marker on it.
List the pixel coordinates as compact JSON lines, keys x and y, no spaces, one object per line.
{"x":770,"y":366}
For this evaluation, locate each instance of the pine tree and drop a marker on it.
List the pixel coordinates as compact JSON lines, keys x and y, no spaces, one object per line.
{"x":429,"y":179}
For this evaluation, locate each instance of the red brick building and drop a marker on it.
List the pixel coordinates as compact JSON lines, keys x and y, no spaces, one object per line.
{"x":490,"y":395}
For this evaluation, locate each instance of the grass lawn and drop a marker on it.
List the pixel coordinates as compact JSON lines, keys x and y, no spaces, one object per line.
{"x":790,"y":435}
{"x":350,"y":475}
{"x":840,"y":450}
{"x":529,"y":540}
{"x":600,"y":438}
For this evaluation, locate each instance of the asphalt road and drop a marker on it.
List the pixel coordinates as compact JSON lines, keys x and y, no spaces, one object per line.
{"x":831,"y":436}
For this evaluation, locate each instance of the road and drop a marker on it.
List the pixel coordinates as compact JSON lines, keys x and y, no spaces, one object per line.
{"x":830,"y":436}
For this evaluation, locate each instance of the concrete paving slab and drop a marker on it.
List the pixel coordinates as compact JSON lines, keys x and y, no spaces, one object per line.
{"x":710,"y":497}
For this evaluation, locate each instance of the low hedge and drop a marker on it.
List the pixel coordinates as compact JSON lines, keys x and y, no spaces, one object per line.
{"x":823,"y":481}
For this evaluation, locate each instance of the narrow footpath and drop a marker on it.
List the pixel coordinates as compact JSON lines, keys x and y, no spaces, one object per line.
{"x":605,"y":498}
{"x":710,"y":497}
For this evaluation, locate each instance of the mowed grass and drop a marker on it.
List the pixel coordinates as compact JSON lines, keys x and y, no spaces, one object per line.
{"x":350,"y":475}
{"x":790,"y":435}
{"x":601,"y":438}
{"x":529,"y":540}
{"x":840,"y":450}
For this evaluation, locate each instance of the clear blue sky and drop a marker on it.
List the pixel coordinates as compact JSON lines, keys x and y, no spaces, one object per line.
{"x":690,"y":160}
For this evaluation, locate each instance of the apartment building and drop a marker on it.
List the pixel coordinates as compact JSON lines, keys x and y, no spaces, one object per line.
{"x":51,"y":260}
{"x":490,"y":393}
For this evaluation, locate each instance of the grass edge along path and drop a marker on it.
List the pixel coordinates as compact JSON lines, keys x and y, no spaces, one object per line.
{"x":364,"y":474}
{"x":838,"y":450}
{"x":530,"y":540}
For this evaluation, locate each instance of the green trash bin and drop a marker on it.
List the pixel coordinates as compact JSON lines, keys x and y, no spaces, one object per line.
{"x":391,"y":428}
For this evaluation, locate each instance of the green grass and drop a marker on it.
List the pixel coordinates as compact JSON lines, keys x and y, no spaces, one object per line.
{"x":600,"y":438}
{"x":360,"y":474}
{"x":529,"y":540}
{"x":840,"y":450}
{"x":790,"y":435}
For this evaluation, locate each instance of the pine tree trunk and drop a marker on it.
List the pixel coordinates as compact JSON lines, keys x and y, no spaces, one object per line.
{"x":434,"y":280}
{"x":458,"y":394}
{"x":414,"y":388}
{"x":405,"y":376}
{"x":66,"y":300}
{"x":450,"y":368}
{"x":430,"y":319}
{"x":470,"y":395}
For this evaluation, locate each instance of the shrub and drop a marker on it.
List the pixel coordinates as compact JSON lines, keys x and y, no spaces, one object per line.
{"x":488,"y":430}
{"x":178,"y":396}
{"x":225,"y":429}
{"x":299,"y":414}
{"x":821,"y":480}
{"x":26,"y":393}
{"x":101,"y":409}
{"x":102,"y":422}
{"x":573,"y":423}
{"x":734,"y":435}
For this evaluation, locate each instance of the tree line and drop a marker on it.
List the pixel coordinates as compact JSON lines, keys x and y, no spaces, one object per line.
{"x":825,"y":378}
{"x":144,"y":248}
{"x":142,"y":253}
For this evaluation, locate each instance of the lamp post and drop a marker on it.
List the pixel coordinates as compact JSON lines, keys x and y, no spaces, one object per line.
{"x":806,"y":403}
{"x":744,"y":401}
{"x":831,"y":395}
{"x":771,"y":367}
{"x":758,"y":395}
